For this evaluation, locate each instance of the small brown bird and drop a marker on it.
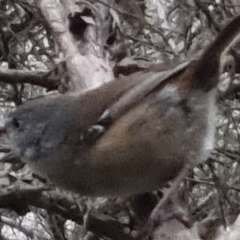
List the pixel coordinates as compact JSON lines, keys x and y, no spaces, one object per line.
{"x":128,"y":136}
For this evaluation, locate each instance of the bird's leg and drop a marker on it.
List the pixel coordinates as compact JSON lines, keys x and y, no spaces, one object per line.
{"x":168,"y":207}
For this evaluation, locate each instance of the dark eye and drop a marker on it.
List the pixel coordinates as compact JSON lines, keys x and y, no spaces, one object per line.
{"x":15,"y":123}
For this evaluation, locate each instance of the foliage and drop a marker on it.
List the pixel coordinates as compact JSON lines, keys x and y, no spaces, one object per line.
{"x":128,"y":36}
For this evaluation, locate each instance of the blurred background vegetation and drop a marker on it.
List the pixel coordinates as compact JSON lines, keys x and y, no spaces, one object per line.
{"x":129,"y":36}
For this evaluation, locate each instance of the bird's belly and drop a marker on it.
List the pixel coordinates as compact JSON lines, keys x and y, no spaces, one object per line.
{"x":146,"y":148}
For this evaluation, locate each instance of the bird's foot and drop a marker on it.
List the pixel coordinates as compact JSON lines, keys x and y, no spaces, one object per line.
{"x":168,"y":208}
{"x":164,"y":211}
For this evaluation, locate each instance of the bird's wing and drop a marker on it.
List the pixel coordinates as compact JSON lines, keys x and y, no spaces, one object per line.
{"x":138,"y":92}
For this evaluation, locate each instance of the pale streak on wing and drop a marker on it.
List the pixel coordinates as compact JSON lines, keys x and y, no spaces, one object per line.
{"x":137,"y":93}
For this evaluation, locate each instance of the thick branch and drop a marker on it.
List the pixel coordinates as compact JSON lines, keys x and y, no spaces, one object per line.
{"x":38,"y":78}
{"x":86,"y":69}
{"x":23,"y":198}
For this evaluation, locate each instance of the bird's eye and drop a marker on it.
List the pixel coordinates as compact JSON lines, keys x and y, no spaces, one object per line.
{"x":15,"y":123}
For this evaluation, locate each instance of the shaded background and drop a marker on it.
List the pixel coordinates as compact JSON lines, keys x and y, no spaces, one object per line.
{"x":47,"y":46}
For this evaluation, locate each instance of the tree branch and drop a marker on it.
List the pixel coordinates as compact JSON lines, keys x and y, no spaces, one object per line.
{"x":85,"y":68}
{"x":39,"y":78}
{"x":21,"y":199}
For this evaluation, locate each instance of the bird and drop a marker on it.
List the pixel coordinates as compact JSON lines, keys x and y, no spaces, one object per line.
{"x":129,"y":136}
